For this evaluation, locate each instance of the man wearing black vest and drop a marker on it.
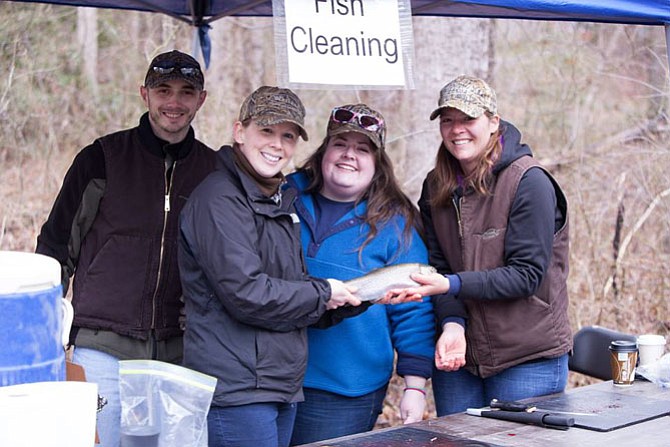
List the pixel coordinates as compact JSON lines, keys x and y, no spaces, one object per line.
{"x":114,"y":227}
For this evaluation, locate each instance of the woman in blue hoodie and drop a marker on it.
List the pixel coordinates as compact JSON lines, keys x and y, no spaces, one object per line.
{"x":355,"y":218}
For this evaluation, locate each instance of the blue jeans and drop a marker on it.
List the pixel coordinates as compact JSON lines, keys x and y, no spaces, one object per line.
{"x":254,"y":425}
{"x":325,"y":415}
{"x":459,"y":390}
{"x":103,"y":369}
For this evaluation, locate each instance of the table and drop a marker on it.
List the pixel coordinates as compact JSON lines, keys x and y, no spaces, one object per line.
{"x":466,"y":430}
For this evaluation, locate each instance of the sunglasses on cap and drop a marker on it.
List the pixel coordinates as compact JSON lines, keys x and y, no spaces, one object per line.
{"x":363,"y":120}
{"x":186,"y":71}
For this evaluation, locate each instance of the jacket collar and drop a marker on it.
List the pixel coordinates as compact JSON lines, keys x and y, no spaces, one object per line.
{"x":513,"y":149}
{"x":305,"y":205}
{"x":160,"y":147}
{"x":251,"y":189}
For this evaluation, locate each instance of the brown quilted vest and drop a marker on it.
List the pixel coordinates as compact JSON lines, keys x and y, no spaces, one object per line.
{"x":504,"y":333}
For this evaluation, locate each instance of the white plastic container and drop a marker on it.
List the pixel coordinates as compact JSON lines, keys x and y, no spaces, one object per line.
{"x":36,"y":319}
{"x":651,"y":348}
{"x":54,"y":414}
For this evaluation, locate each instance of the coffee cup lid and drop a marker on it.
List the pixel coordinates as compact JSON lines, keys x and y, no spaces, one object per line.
{"x":623,"y":346}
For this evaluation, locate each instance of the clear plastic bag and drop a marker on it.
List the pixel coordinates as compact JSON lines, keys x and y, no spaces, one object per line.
{"x":657,"y":372}
{"x":163,"y":405}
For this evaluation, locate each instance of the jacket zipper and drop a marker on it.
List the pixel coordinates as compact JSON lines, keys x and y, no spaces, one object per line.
{"x":458,"y":202}
{"x":457,"y":207}
{"x":166,"y":211}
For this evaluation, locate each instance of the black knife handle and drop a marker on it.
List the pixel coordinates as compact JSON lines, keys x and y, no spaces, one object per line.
{"x":535,"y":418}
{"x":557,"y":421}
{"x":510,"y":406}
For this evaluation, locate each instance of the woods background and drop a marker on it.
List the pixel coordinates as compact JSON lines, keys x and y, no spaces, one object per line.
{"x":590,"y":99}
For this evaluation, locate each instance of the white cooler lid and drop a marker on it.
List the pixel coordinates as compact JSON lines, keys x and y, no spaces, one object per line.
{"x":22,"y":272}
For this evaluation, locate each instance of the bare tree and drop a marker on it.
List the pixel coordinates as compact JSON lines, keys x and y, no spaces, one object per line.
{"x":87,"y":37}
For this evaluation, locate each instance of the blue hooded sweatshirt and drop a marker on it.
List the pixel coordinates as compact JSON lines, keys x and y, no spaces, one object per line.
{"x":356,"y":356}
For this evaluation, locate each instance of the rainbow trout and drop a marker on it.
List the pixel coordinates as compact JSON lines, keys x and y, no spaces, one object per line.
{"x":374,"y":285}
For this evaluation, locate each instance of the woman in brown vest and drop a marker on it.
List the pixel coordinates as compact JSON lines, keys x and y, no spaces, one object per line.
{"x":497,"y":231}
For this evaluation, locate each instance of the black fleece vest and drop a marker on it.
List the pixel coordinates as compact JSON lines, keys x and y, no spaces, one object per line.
{"x":127,"y":279}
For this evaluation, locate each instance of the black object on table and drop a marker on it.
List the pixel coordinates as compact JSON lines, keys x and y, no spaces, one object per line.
{"x":539,"y":418}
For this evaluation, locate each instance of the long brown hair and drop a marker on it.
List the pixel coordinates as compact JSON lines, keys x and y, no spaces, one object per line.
{"x":448,"y":169}
{"x":384,"y":196}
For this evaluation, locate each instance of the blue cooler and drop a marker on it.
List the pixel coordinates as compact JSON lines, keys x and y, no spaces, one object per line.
{"x":32,"y":312}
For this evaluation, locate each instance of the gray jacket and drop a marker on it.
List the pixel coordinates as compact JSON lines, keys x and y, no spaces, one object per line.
{"x":248,"y":298}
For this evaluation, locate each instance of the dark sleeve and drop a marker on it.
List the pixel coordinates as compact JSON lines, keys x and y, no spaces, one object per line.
{"x":74,"y":210}
{"x":444,"y":305}
{"x":414,"y":365}
{"x":528,"y":244}
{"x":336,"y":316}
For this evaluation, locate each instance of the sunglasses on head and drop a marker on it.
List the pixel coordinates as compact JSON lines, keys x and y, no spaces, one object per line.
{"x":186,"y":71}
{"x":363,"y":120}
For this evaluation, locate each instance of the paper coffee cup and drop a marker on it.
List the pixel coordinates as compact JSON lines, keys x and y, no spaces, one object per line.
{"x":623,"y":357}
{"x":651,"y":347}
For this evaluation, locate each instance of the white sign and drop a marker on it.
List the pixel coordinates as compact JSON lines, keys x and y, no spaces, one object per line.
{"x":361,"y":43}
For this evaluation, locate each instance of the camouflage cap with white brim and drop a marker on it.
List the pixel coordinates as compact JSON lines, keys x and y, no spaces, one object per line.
{"x":470,"y":95}
{"x":268,"y":106}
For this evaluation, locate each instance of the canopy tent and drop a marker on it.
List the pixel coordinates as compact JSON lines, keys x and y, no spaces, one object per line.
{"x":200,"y":13}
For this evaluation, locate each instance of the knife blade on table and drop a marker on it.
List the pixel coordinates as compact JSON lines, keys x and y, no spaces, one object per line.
{"x":529,"y":408}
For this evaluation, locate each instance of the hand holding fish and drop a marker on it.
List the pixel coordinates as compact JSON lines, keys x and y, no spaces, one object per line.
{"x":431,"y":283}
{"x":388,"y":299}
{"x":340,"y":295}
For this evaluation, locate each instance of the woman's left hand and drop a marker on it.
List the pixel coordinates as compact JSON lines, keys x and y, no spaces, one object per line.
{"x":398,"y":296}
{"x":412,"y":406}
{"x":450,"y":348}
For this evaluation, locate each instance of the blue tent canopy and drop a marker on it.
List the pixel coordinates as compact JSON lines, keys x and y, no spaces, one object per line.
{"x":200,"y":13}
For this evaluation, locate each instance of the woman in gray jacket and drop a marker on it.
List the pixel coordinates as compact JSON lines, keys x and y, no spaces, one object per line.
{"x":248,"y":297}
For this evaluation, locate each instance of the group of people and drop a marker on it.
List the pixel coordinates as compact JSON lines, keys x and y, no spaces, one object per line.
{"x":154,"y":226}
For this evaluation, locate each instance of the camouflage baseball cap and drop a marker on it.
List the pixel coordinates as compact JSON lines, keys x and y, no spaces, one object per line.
{"x":358,"y":118}
{"x":268,"y":106}
{"x":174,"y":65}
{"x":470,"y":95}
